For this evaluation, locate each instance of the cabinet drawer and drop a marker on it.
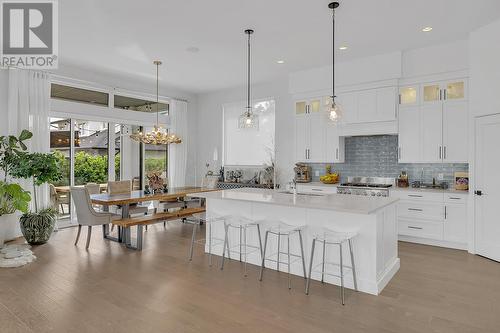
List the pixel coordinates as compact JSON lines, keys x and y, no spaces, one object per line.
{"x":421,"y":210}
{"x":431,"y":230}
{"x":317,"y":189}
{"x":458,"y":198}
{"x":417,"y":195}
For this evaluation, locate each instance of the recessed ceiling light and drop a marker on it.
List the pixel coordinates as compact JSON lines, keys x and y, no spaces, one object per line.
{"x":193,"y":49}
{"x":343,"y":48}
{"x":427,"y":29}
{"x":280,"y":61}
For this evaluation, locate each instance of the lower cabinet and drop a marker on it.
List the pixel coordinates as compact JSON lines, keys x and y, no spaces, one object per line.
{"x":432,"y":218}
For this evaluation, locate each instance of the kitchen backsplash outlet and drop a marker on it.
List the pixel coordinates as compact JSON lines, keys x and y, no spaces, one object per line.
{"x":376,"y":156}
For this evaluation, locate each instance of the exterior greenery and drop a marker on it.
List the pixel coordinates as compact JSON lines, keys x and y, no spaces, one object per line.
{"x":93,"y":168}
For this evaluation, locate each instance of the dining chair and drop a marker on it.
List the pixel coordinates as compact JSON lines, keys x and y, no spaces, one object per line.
{"x":85,"y":213}
{"x":124,"y":187}
{"x":58,"y":199}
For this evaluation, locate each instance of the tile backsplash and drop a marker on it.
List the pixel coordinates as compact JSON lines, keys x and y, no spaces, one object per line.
{"x":378,"y":156}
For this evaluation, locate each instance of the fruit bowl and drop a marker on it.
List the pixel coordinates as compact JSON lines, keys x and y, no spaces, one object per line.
{"x":329,"y":178}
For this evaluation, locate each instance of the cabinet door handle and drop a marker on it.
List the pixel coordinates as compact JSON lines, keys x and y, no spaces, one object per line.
{"x":337,"y":153}
{"x":444,"y":94}
{"x":416,"y":209}
{"x":444,"y":152}
{"x":317,"y":189}
{"x":415,"y":195}
{"x":454,"y":198}
{"x":445,"y":213}
{"x":399,"y":98}
{"x":440,"y":94}
{"x":440,"y":152}
{"x":417,"y":228}
{"x":399,"y":152}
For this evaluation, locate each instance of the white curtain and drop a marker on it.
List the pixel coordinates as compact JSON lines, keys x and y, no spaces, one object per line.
{"x":177,"y":161}
{"x":28,"y":108}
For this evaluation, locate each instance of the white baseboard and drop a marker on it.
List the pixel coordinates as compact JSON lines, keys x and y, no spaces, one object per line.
{"x":433,"y":242}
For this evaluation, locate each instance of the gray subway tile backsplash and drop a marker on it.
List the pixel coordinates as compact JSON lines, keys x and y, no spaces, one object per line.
{"x":377,"y":156}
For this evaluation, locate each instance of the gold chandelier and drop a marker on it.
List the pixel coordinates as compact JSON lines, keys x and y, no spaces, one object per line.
{"x":158,"y":136}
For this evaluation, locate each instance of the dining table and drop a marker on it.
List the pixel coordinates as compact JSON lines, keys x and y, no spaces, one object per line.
{"x":124,"y":200}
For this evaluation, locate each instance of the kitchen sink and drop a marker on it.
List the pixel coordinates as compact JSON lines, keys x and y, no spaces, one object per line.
{"x":301,"y":193}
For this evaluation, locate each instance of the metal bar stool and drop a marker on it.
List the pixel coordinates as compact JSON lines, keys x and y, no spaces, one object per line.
{"x":197,"y":220}
{"x":333,"y":237}
{"x":243,"y":249}
{"x":280,"y":230}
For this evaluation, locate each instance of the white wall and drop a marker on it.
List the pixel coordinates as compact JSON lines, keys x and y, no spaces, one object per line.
{"x":4,"y":83}
{"x":485,"y":70}
{"x":436,"y":59}
{"x":210,"y":123}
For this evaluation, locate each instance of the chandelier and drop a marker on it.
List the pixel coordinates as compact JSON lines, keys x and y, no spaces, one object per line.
{"x":334,"y":110}
{"x":248,"y":119}
{"x":159,"y":135}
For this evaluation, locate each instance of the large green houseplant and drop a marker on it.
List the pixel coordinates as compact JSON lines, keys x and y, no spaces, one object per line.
{"x":12,"y":196}
{"x":41,"y":168}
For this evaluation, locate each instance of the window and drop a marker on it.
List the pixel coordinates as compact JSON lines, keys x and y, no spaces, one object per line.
{"x":68,"y":93}
{"x":136,"y":104}
{"x":249,"y":147}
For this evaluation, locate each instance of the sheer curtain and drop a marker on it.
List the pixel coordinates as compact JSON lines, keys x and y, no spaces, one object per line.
{"x":28,"y":108}
{"x":177,"y":153}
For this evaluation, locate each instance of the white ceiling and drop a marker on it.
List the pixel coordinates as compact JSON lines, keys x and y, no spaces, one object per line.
{"x":125,"y":36}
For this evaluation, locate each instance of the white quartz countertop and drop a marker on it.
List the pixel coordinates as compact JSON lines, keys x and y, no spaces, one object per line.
{"x":335,"y":202}
{"x":430,"y":190}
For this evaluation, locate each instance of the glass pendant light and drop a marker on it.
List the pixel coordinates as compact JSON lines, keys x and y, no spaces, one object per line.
{"x":248,"y":119}
{"x":158,"y":136}
{"x":334,"y":110}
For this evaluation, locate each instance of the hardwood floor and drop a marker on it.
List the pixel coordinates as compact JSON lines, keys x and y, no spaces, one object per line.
{"x":112,"y":289}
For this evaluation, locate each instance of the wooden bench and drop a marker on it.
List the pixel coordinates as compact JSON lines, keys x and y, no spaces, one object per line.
{"x":141,"y":221}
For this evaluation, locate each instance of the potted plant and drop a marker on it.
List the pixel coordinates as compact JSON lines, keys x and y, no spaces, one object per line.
{"x":12,"y":196}
{"x":42,"y":168}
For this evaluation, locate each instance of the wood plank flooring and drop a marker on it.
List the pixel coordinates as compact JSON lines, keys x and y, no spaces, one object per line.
{"x":113,"y":289}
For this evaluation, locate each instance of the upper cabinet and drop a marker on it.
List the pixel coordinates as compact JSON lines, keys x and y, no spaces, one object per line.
{"x":316,"y":137}
{"x":370,"y":105}
{"x":434,"y":128}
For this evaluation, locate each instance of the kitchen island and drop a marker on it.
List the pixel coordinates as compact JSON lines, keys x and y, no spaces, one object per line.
{"x":374,"y":218}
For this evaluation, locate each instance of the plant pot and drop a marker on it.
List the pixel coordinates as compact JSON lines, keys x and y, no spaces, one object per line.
{"x":37,"y":228}
{"x":2,"y":237}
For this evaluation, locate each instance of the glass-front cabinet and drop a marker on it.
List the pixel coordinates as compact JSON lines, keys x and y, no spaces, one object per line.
{"x":408,"y":95}
{"x":431,"y":92}
{"x":454,"y":90}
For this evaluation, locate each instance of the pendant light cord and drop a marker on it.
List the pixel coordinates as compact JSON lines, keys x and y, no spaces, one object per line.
{"x":157,"y":94}
{"x":248,"y":79}
{"x":333,"y":55}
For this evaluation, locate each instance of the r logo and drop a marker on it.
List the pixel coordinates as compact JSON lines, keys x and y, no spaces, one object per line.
{"x":27,"y":28}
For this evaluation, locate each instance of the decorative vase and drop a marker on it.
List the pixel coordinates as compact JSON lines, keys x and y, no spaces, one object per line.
{"x":2,"y":237}
{"x":37,"y":228}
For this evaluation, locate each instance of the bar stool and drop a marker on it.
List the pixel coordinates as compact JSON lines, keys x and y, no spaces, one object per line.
{"x":197,"y":220}
{"x":333,"y":237}
{"x":243,"y":249}
{"x":280,"y":230}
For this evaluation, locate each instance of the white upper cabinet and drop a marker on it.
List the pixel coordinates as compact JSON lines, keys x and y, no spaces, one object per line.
{"x":442,"y":119}
{"x":370,"y":105}
{"x":455,"y":132}
{"x":431,"y":119}
{"x":316,"y":138}
{"x":409,"y":134}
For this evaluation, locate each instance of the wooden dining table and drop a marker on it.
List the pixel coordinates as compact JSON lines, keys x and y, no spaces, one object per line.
{"x":134,"y":197}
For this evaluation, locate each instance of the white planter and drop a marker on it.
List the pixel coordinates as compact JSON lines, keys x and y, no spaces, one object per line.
{"x":9,"y":227}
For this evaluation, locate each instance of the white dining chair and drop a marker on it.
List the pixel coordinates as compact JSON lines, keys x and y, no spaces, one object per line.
{"x":85,"y":213}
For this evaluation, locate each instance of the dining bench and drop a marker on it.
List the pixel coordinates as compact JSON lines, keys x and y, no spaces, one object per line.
{"x":141,"y":221}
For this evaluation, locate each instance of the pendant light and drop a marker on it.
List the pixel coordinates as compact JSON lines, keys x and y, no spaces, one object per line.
{"x":334,"y":109}
{"x":158,"y":136}
{"x":248,"y":119}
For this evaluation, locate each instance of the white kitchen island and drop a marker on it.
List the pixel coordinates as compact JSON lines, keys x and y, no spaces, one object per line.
{"x":374,"y":218}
